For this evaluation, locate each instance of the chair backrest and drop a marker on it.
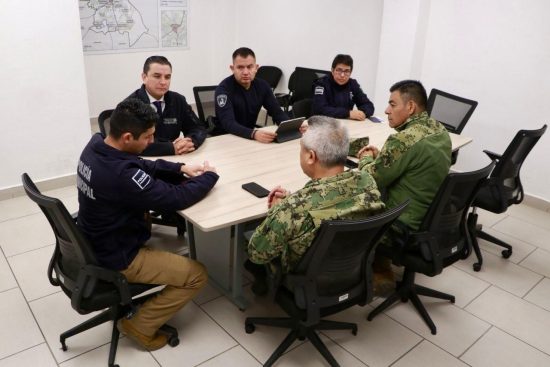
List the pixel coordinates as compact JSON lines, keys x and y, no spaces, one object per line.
{"x":72,"y":249}
{"x":204,"y":99}
{"x":452,"y":111}
{"x":443,"y":236}
{"x":301,"y":81}
{"x":507,"y":169}
{"x":334,"y":269}
{"x":103,"y":120}
{"x":302,"y":108}
{"x":271,"y":74}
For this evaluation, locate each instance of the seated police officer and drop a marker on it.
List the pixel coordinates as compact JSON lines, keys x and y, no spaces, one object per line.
{"x":116,"y":189}
{"x":240,"y":97}
{"x":176,"y":116}
{"x":335,"y":95}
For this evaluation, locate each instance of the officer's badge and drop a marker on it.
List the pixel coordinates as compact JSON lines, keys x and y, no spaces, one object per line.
{"x":350,"y":95}
{"x":221,"y":99}
{"x":319,"y":90}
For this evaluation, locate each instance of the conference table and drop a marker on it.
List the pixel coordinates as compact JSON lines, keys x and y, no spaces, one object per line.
{"x":216,"y":224}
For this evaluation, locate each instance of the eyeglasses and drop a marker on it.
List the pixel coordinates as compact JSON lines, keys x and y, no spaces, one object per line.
{"x":346,"y":72}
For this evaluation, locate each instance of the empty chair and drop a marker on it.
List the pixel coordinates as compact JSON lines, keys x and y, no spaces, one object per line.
{"x":302,"y":108}
{"x":91,"y":288}
{"x":503,"y":187}
{"x":103,"y":122}
{"x":272,"y":75}
{"x":335,"y":273}
{"x":442,"y":239}
{"x":300,"y":86}
{"x":452,"y":111}
{"x":206,"y":107}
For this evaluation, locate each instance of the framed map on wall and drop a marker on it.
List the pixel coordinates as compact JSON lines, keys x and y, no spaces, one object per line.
{"x":133,"y":25}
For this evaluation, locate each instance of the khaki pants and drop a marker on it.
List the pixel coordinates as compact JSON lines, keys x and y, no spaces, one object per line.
{"x":183,"y":278}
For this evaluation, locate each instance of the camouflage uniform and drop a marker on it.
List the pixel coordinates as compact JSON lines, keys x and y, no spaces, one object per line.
{"x":291,"y":225}
{"x":412,"y":164}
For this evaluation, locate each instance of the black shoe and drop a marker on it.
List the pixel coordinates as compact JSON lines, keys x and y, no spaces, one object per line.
{"x":259,"y":286}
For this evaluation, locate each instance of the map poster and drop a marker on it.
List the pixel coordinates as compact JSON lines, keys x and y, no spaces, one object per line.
{"x":133,"y":25}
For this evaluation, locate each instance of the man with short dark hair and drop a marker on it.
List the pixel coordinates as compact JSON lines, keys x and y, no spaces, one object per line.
{"x":336,"y":94}
{"x":240,"y":97}
{"x":176,"y":116}
{"x":413,"y":162}
{"x":116,"y":189}
{"x":332,"y":193}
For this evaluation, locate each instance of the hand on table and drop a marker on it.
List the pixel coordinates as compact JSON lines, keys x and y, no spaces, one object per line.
{"x":183,"y":145}
{"x":276,"y":195}
{"x":368,"y":150}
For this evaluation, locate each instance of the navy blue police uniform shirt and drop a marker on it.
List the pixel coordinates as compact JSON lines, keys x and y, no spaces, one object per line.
{"x":116,"y":189}
{"x":334,"y":100}
{"x":237,"y":108}
{"x":177,"y":117}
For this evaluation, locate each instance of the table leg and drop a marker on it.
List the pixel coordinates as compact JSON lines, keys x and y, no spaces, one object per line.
{"x":222,"y":258}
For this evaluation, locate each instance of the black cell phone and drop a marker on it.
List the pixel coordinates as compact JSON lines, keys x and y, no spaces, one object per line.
{"x":255,"y":189}
{"x":351,"y":164}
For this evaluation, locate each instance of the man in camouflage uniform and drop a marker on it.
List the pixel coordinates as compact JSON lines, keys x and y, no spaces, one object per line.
{"x":332,"y":193}
{"x":412,"y":163}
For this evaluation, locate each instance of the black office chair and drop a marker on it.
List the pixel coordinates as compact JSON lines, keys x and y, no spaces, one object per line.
{"x":103,"y":122}
{"x":503,"y":187}
{"x":442,"y":239}
{"x":272,"y":75}
{"x":206,"y":108}
{"x":300,"y":86}
{"x":452,"y":111}
{"x":302,"y":108}
{"x":335,"y":273}
{"x":74,"y":268}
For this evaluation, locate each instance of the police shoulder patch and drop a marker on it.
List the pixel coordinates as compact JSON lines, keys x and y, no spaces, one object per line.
{"x":221,"y":100}
{"x":319,"y":90}
{"x":141,"y":179}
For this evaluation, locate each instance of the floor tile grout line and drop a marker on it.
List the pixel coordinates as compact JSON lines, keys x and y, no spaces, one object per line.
{"x":475,"y":342}
{"x":320,"y":332}
{"x":521,"y":341}
{"x":407,"y":352}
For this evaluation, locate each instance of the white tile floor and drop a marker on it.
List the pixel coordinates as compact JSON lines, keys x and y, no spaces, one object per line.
{"x":501,"y":316}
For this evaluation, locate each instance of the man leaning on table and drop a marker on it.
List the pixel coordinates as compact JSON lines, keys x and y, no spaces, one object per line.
{"x":412,"y":164}
{"x":240,"y":97}
{"x":332,"y":193}
{"x":175,"y":115}
{"x":116,"y":189}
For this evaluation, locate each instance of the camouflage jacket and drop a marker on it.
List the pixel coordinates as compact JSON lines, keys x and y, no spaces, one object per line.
{"x":412,"y":164}
{"x":291,"y":225}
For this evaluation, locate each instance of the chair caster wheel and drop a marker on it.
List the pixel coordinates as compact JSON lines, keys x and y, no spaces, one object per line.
{"x":249,"y":328}
{"x":354,"y":331}
{"x":453,"y":300}
{"x":506,"y":253}
{"x":476,"y":266}
{"x":63,"y":346}
{"x":301,"y":338}
{"x":173,"y":341}
{"x":404,"y":299}
{"x":369,"y":317}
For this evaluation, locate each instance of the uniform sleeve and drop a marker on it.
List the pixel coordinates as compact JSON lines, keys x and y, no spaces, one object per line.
{"x":192,"y":126}
{"x":272,"y":236}
{"x":226,"y":115}
{"x":159,"y":148}
{"x":361,"y":100}
{"x":272,"y":106}
{"x":388,"y":166}
{"x":156,"y":194}
{"x":321,"y":105}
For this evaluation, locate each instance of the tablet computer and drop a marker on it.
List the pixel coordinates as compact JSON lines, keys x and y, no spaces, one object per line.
{"x":289,"y":130}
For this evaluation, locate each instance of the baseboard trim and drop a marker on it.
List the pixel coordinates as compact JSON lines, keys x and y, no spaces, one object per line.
{"x":44,"y":185}
{"x":537,"y":202}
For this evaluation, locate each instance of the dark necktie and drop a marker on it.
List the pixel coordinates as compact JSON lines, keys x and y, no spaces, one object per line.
{"x":158,"y":105}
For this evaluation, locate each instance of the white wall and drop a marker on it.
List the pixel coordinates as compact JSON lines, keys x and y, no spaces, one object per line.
{"x":493,"y":51}
{"x":309,"y":33}
{"x":497,"y":53}
{"x":212,"y":39}
{"x":45,"y":121}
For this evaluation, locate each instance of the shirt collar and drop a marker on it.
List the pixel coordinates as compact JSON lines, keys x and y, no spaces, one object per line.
{"x":153,"y":99}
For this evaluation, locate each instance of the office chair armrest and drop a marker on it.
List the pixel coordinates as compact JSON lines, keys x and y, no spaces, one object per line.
{"x":492,"y":156}
{"x":87,"y":278}
{"x":427,"y":245}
